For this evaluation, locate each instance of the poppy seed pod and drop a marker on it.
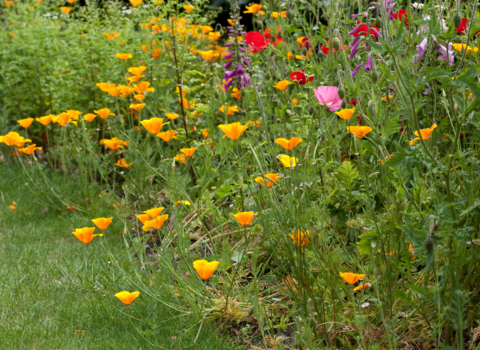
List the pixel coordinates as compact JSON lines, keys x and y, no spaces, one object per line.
{"x":457,"y":19}
{"x":429,"y":244}
{"x":290,"y":14}
{"x":336,"y":44}
{"x":341,"y":92}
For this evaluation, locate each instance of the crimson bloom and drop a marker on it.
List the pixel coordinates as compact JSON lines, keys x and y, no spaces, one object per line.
{"x":268,"y":37}
{"x":361,"y":30}
{"x":462,"y":28}
{"x":305,"y":43}
{"x":256,"y":41}
{"x":326,"y":49}
{"x":299,"y":77}
{"x":401,"y":14}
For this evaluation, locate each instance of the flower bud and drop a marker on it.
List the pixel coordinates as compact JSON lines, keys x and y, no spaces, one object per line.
{"x":457,"y":19}
{"x":304,"y":51}
{"x":378,"y":22}
{"x":312,"y":323}
{"x":374,"y":76}
{"x":290,"y":14}
{"x":336,"y":44}
{"x":268,"y":75}
{"x":311,"y":109}
{"x":429,"y":244}
{"x":355,"y":4}
{"x":341,"y":92}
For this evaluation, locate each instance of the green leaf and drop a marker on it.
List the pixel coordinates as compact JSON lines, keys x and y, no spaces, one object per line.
{"x":347,"y":173}
{"x":225,"y":191}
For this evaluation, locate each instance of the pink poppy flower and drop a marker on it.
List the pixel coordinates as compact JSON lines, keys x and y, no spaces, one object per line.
{"x":328,"y":96}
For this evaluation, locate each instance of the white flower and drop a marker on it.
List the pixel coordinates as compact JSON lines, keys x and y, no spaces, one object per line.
{"x":365,"y":305}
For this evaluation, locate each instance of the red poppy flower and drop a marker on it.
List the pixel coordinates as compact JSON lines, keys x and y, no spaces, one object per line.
{"x":352,"y":102}
{"x":300,"y":77}
{"x":256,"y":41}
{"x":268,"y":35}
{"x":462,"y":28}
{"x":362,"y":30}
{"x":401,"y":14}
{"x":305,"y":43}
{"x":360,"y":118}
{"x":325,"y":50}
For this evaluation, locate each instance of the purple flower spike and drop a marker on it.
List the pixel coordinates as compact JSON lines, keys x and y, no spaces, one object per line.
{"x":421,"y":50}
{"x":368,"y":66}
{"x":227,"y":65}
{"x":355,"y":71}
{"x":228,"y":55}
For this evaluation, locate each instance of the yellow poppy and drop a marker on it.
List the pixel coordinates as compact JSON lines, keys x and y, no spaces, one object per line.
{"x":282,"y":85}
{"x":45,"y":120}
{"x":359,"y":131}
{"x":183,"y":202}
{"x":85,"y":234}
{"x":156,"y":223}
{"x":135,"y":3}
{"x":142,"y":87}
{"x":362,"y":286}
{"x":137,"y":70}
{"x":188,"y":152}
{"x":156,"y":53}
{"x":29,"y":149}
{"x":123,"y":56}
{"x":206,"y":55}
{"x":126,"y":297}
{"x":66,"y":10}
{"x":350,"y":277}
{"x":122,"y":163}
{"x":288,"y":144}
{"x":230,"y":110}
{"x":233,"y":130}
{"x":425,"y":133}
{"x":167,"y":136}
{"x":236,"y":93}
{"x":153,"y":125}
{"x":137,"y":107}
{"x":346,"y":113}
{"x":244,"y":218}
{"x":114,"y":143}
{"x":25,"y":123}
{"x":89,"y":117}
{"x":154,"y":212}
{"x":114,"y":91}
{"x":268,"y":180}
{"x":102,"y":223}
{"x":287,"y":161}
{"x":188,"y":8}
{"x":384,"y":99}
{"x":204,"y":268}
{"x":171,"y":116}
{"x":105,"y":86}
{"x":255,"y":8}
{"x":143,"y":218}
{"x":294,"y":102}
{"x":104,"y":113}
{"x":180,"y":158}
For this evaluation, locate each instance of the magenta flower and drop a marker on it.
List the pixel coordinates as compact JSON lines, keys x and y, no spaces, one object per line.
{"x":328,"y":96}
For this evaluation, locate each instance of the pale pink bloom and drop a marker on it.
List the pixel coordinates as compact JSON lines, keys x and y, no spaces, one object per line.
{"x":328,"y":96}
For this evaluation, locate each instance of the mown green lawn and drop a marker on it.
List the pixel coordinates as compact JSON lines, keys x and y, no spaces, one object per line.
{"x":48,"y":298}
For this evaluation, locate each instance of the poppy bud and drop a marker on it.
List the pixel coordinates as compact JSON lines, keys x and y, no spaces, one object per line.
{"x":313,"y":323}
{"x":436,"y":226}
{"x":260,"y":24}
{"x":355,"y":4}
{"x":290,"y":14}
{"x":457,"y":19}
{"x":268,"y":75}
{"x":374,"y":76}
{"x":429,"y":244}
{"x":341,"y":92}
{"x":336,"y":44}
{"x":311,"y":109}
{"x":304,"y":51}
{"x":378,"y":22}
